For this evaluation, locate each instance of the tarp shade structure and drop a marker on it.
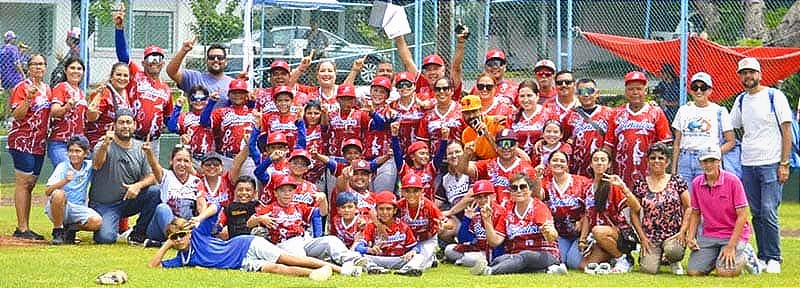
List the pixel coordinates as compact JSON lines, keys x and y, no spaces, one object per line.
{"x":324,"y":5}
{"x":720,"y":62}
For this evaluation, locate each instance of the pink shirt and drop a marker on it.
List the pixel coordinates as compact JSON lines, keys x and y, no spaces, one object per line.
{"x":718,"y":204}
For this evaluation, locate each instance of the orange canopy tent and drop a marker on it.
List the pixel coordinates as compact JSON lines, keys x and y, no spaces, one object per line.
{"x":777,"y":63}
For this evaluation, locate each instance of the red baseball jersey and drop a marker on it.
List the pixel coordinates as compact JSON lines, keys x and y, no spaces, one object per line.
{"x":612,"y":216}
{"x":378,"y":142}
{"x":347,"y":231}
{"x":151,"y":100}
{"x":409,"y":117}
{"x":304,"y":194}
{"x":202,"y":139}
{"x":523,"y":232}
{"x":505,"y":89}
{"x":265,"y":103}
{"x":346,"y":126}
{"x":501,"y":108}
{"x":630,"y":134}
{"x":567,"y":205}
{"x":479,"y":231}
{"x":267,"y":193}
{"x":230,"y":125}
{"x":291,"y":220}
{"x":490,"y":169}
{"x":72,"y":122}
{"x":398,"y":240}
{"x":559,"y":109}
{"x":108,"y":105}
{"x":222,"y":194}
{"x":316,"y":139}
{"x":366,"y":202}
{"x":330,"y":100}
{"x":423,"y":220}
{"x":529,"y":129}
{"x":425,"y":87}
{"x":585,"y":137}
{"x":430,"y":126}
{"x":29,"y":134}
{"x":274,"y":122}
{"x":540,"y":156}
{"x":427,"y":174}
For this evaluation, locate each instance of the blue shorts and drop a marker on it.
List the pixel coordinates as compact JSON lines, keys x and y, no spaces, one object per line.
{"x":27,"y":163}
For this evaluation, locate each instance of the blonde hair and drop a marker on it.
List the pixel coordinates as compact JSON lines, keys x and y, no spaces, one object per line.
{"x":176,"y":225}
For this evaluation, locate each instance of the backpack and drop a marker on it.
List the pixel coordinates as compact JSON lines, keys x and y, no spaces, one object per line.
{"x":794,"y":154}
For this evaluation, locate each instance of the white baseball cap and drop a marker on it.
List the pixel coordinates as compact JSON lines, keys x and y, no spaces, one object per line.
{"x":545,"y":63}
{"x":712,"y":152}
{"x":749,"y":63}
{"x":703,"y":77}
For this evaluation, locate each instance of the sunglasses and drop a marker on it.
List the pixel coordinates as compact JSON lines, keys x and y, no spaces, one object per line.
{"x":404,"y":84}
{"x":485,"y":87}
{"x":515,"y":188}
{"x":564,"y":82}
{"x":662,"y":158}
{"x":216,"y":57}
{"x":586,"y":91}
{"x":182,"y":146}
{"x":441,"y":89}
{"x":506,"y":143}
{"x":178,"y":235}
{"x":544,"y":74}
{"x":495,"y":63}
{"x":154,"y":59}
{"x":199,"y":97}
{"x":702,"y":88}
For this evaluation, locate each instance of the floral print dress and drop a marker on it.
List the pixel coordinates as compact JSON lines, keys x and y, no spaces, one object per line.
{"x":662,"y":212}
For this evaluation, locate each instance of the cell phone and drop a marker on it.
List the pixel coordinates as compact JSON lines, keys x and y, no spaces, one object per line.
{"x":460,"y":27}
{"x":474,"y":123}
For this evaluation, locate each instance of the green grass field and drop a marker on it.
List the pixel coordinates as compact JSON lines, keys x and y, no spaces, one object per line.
{"x":70,"y":266}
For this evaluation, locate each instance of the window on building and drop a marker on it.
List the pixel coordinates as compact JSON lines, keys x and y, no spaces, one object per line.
{"x":149,"y":28}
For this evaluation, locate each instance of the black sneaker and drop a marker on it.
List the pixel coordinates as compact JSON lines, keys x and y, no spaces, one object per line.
{"x":69,"y":234}
{"x":409,"y":272}
{"x":375,"y":269}
{"x":150,"y":243}
{"x":58,"y":237}
{"x":136,"y":239}
{"x":30,"y":235}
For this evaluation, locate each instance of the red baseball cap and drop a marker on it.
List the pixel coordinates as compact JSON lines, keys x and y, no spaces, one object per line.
{"x":360,"y":165}
{"x":506,"y":134}
{"x":153,"y":49}
{"x":482,"y":187}
{"x":277,"y":138}
{"x":432,"y":59}
{"x":238,"y":85}
{"x":282,"y":89}
{"x":279,"y":64}
{"x":405,"y":75}
{"x":635,"y":76}
{"x":352,"y":141}
{"x":283,"y":179}
{"x":416,"y":146}
{"x":345,"y":90}
{"x":385,"y":197}
{"x":411,"y":180}
{"x":382,"y":82}
{"x":495,"y":54}
{"x":300,"y":153}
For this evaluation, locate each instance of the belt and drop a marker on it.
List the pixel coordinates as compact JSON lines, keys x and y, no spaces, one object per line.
{"x":691,"y":152}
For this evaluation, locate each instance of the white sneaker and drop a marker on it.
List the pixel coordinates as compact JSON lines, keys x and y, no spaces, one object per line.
{"x":557,"y":269}
{"x":677,"y":268}
{"x":773,"y":267}
{"x":590,"y":268}
{"x":622,"y":265}
{"x":603,"y":269}
{"x":124,"y":235}
{"x":481,"y":267}
{"x":321,"y":274}
{"x":350,"y":269}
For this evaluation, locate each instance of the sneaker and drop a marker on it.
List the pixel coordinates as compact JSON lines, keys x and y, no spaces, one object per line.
{"x":751,"y":261}
{"x":321,"y":274}
{"x":435,"y":262}
{"x":350,"y":269}
{"x":677,"y":268}
{"x":69,"y":234}
{"x":405,"y":271}
{"x":481,"y":268}
{"x":58,"y":236}
{"x":557,"y":269}
{"x":124,"y":235}
{"x":603,"y":269}
{"x":622,"y":265}
{"x":773,"y":267}
{"x":375,"y":269}
{"x":150,"y":243}
{"x":30,"y":235}
{"x":590,"y":268}
{"x":361,"y":262}
{"x":140,"y":240}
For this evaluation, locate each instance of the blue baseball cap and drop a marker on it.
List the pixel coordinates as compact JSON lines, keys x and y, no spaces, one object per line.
{"x":346,"y":197}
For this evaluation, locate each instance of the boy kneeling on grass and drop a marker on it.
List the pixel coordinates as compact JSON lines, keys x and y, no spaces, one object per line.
{"x":66,"y":190}
{"x":197,"y":247}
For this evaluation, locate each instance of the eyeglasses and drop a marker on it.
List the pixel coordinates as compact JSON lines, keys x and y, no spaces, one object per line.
{"x":485,"y":87}
{"x":506,"y":143}
{"x":702,"y":88}
{"x":300,"y":164}
{"x":544,"y":74}
{"x":660,"y":158}
{"x":154,"y":59}
{"x":36,"y":64}
{"x":404,"y":84}
{"x":564,"y":82}
{"x":515,"y":188}
{"x":178,"y":235}
{"x":441,"y":89}
{"x":216,"y":57}
{"x":586,"y":91}
{"x":495,"y":63}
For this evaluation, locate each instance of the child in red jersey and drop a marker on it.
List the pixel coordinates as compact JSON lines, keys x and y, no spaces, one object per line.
{"x":422,"y":215}
{"x":348,"y":222}
{"x":552,"y":133}
{"x":420,"y":162}
{"x":472,"y":234}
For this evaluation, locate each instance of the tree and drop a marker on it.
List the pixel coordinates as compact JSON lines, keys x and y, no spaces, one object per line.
{"x":213,"y":27}
{"x":788,"y":31}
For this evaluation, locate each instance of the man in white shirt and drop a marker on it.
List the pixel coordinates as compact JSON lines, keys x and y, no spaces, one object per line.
{"x":765,"y":156}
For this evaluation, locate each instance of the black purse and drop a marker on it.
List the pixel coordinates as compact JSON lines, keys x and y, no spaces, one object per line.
{"x":627,"y":237}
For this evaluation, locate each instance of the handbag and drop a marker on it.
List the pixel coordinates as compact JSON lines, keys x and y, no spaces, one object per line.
{"x":732,"y":160}
{"x":627,"y":237}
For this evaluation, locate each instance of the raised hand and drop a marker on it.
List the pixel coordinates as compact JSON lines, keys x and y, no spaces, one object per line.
{"x":320,"y":197}
{"x":186,"y":139}
{"x":118,"y":16}
{"x":180,"y":101}
{"x":70,"y":175}
{"x":215,"y":95}
{"x":109,"y":135}
{"x":359,"y":63}
{"x":445,"y":132}
{"x":277,"y":155}
{"x":613,"y":180}
{"x":395,"y":128}
{"x":472,"y":210}
{"x":188,"y":45}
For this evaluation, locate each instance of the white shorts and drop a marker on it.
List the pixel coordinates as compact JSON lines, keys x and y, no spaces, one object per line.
{"x":73,"y":213}
{"x":260,"y":253}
